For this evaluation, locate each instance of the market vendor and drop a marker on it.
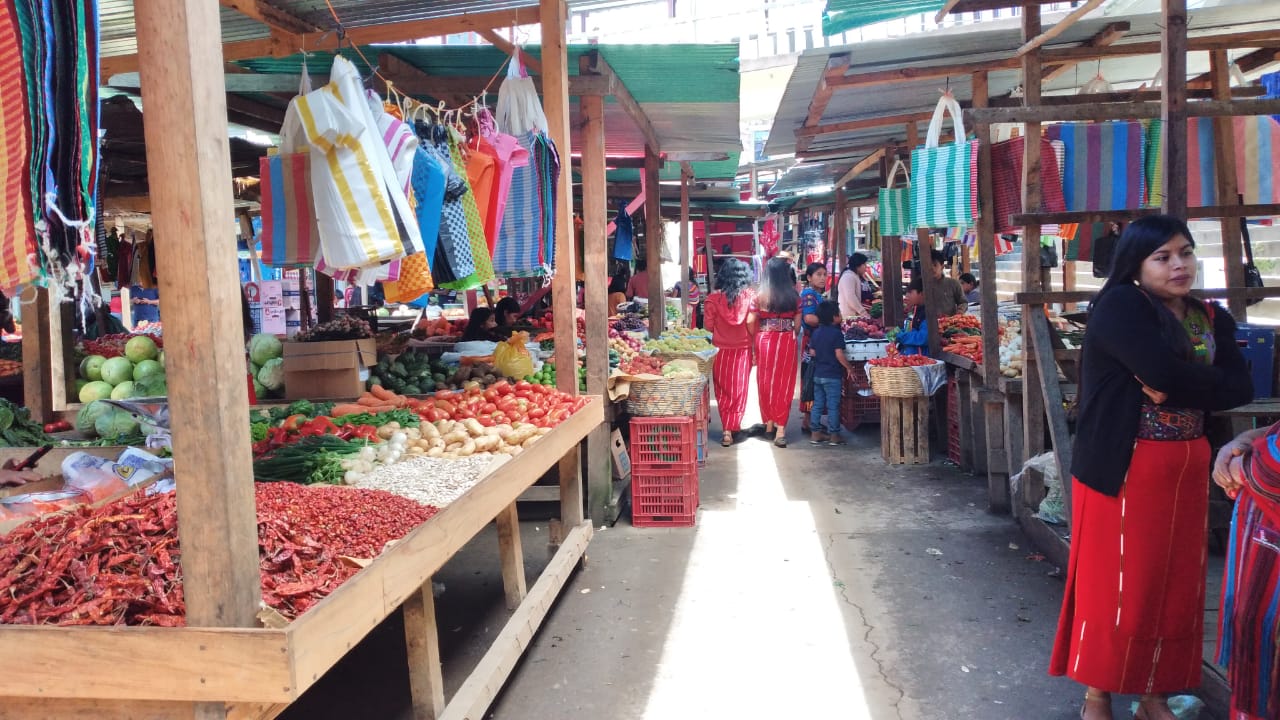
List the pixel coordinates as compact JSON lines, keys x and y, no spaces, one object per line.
{"x":949,"y":299}
{"x":969,"y":284}
{"x":481,"y":326}
{"x":856,"y":288}
{"x":506,"y":312}
{"x":913,"y":338}
{"x":13,"y":478}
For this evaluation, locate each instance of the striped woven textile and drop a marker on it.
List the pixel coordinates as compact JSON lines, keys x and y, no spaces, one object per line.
{"x":1103,"y":164}
{"x":17,"y":227}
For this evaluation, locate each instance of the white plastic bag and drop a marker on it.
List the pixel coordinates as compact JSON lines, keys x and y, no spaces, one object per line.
{"x":519,"y":109}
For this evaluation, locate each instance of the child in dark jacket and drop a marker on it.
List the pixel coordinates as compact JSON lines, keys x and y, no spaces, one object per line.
{"x":826,"y":347}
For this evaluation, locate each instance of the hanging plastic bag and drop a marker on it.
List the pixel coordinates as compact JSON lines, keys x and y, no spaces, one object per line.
{"x":1096,"y":85}
{"x":519,"y":109}
{"x":511,"y":358}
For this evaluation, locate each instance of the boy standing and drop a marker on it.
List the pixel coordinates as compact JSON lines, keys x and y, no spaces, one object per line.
{"x":826,"y":346}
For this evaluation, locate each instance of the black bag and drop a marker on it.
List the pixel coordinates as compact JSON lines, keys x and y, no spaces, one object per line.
{"x":1252,"y":275}
{"x":1048,"y":256}
{"x":1103,"y":248}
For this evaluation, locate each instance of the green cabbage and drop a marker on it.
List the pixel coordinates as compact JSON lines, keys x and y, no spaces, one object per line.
{"x":88,"y":416}
{"x":272,"y":374}
{"x":264,"y":347}
{"x":115,"y":424}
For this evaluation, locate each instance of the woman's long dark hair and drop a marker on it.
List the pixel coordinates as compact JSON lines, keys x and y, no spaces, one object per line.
{"x":778,"y":288}
{"x":1140,"y":239}
{"x":732,"y":278}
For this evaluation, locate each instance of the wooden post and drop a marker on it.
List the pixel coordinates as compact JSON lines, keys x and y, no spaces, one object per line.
{"x":511,"y":555}
{"x":422,"y":642}
{"x":840,"y":231}
{"x":1173,"y":106}
{"x":186,"y":139}
{"x":324,"y":297}
{"x":653,"y":242}
{"x":686,"y":249}
{"x":924,"y":248}
{"x":595,"y":212}
{"x":553,"y":15}
{"x":37,"y":355}
{"x":993,"y":410}
{"x":891,"y":260}
{"x":1032,"y":401}
{"x":1224,"y":143}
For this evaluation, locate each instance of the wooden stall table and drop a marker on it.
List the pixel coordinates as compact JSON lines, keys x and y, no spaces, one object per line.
{"x":1246,"y":416}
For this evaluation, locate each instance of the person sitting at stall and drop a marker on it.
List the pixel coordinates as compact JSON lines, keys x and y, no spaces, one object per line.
{"x":617,"y":292}
{"x":638,"y":285}
{"x":950,"y":296}
{"x":482,"y":326}
{"x":856,"y":288}
{"x":506,"y":313}
{"x":969,"y":284}
{"x":913,"y":339}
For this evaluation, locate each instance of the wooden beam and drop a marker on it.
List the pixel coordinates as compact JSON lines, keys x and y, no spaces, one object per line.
{"x":1060,"y":27}
{"x":422,"y":645}
{"x":653,"y":243}
{"x":1124,"y":96}
{"x":686,"y":249}
{"x":861,"y":124}
{"x":1173,"y":106}
{"x":1050,"y":395}
{"x":1109,"y":35}
{"x":553,"y":15}
{"x":533,"y":64}
{"x":860,"y":167}
{"x":623,"y":97}
{"x":1033,"y":407}
{"x":37,"y":370}
{"x":280,"y":21}
{"x":891,"y":250}
{"x":1256,"y":60}
{"x":986,"y":239}
{"x":186,"y":139}
{"x":836,"y":67}
{"x":1121,"y":111}
{"x":595,"y":218}
{"x":1224,"y":147}
{"x":511,"y":555}
{"x":947,"y":7}
{"x":395,"y":32}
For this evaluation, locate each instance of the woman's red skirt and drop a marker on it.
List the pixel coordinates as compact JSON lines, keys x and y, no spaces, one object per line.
{"x":1132,"y":617}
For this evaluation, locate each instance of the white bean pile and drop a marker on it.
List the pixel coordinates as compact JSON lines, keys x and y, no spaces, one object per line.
{"x":428,"y":480}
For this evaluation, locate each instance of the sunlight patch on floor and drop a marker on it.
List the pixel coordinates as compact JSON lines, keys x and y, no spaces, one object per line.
{"x":757,"y":631}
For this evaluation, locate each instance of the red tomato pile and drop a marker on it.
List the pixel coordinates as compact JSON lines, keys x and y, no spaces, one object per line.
{"x":501,"y":403}
{"x":900,"y":361}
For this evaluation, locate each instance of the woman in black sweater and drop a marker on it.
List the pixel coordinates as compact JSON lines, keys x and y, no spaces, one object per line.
{"x":1155,"y":361}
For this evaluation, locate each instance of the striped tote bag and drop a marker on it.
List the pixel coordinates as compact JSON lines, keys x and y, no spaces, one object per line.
{"x":894,"y":204}
{"x":941,"y":175}
{"x":1257,"y":145}
{"x":1103,"y":165}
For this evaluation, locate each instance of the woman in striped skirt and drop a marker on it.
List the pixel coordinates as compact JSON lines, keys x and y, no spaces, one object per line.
{"x":726,"y":314}
{"x":1249,"y":630}
{"x":775,"y":322}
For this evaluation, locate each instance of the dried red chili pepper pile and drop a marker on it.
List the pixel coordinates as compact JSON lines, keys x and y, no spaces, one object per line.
{"x":119,"y":564}
{"x":110,"y":346}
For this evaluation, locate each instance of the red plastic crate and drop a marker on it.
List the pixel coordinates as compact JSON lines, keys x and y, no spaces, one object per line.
{"x":953,"y":400}
{"x":953,"y":446}
{"x":664,"y":496}
{"x":702,"y":444}
{"x":663,"y":441}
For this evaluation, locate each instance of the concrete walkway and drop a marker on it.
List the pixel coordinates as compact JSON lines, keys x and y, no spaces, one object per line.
{"x":818,"y":583}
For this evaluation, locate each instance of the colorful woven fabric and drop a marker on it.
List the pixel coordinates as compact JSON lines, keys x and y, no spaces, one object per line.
{"x":519,"y":249}
{"x":1257,"y":149}
{"x":475,"y":223}
{"x":1006,"y":169}
{"x":17,"y":229}
{"x":894,"y":205}
{"x":941,"y":185}
{"x":1154,"y":162}
{"x":290,"y":236}
{"x":1103,"y":164}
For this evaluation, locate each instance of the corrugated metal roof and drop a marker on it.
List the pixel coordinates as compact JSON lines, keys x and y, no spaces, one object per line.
{"x":116,"y":23}
{"x":365,"y":13}
{"x":844,"y":15}
{"x":971,"y":44}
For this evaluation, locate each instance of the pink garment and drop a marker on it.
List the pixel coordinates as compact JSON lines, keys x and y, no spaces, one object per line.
{"x":509,"y":155}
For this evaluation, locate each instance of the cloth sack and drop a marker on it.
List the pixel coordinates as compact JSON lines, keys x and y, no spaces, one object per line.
{"x":290,"y":236}
{"x":894,"y":204}
{"x":941,"y":176}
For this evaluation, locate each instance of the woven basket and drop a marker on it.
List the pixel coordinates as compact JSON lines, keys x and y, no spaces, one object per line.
{"x":895,"y":382}
{"x":665,"y":398}
{"x":704,"y":366}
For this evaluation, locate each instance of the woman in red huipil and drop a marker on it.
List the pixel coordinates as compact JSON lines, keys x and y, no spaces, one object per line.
{"x":726,"y":314}
{"x":775,"y":321}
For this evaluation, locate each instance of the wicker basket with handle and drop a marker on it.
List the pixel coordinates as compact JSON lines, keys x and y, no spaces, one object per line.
{"x":668,"y":397}
{"x":902,"y":382}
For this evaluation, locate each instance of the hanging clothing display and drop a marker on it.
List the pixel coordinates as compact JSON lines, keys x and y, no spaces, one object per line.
{"x":526,"y":243}
{"x":471,"y":210}
{"x":623,"y":234}
{"x":18,"y":241}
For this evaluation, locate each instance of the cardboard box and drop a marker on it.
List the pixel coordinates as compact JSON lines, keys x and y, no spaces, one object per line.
{"x":334,"y":370}
{"x":621,"y":460}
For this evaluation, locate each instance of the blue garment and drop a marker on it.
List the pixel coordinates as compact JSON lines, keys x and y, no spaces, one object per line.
{"x":150,"y":313}
{"x":826,"y":401}
{"x":914,"y":338}
{"x":428,"y":189}
{"x":810,"y":299}
{"x":623,"y":232}
{"x":1271,"y":84}
{"x":827,"y":340}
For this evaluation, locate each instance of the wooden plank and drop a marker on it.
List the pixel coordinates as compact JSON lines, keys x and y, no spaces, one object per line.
{"x":326,"y":632}
{"x":510,"y":550}
{"x":1032,"y":279}
{"x":1058,"y":28}
{"x":986,"y":240}
{"x":287,"y":25}
{"x":1193,"y":212}
{"x":1126,"y":96}
{"x":860,"y":167}
{"x":1045,"y":539}
{"x":1224,"y":143}
{"x":26,"y":708}
{"x":861,"y":124}
{"x":836,"y":67}
{"x":965,"y":419}
{"x":653,"y":242}
{"x":947,"y":8}
{"x":564,"y":291}
{"x":165,"y":664}
{"x":1109,"y":35}
{"x":37,"y":378}
{"x":187,"y":144}
{"x":1014,"y":431}
{"x":1051,"y":392}
{"x":1063,"y":112}
{"x":482,"y":686}
{"x":891,"y":251}
{"x":1256,"y":60}
{"x":506,"y":46}
{"x":1173,"y":105}
{"x":422,"y":645}
{"x":711,"y":252}
{"x":997,"y":457}
{"x":595,"y":269}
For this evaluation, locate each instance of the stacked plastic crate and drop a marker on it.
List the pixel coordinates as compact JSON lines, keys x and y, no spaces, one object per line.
{"x":664,"y":470}
{"x":953,"y":420}
{"x":856,"y":408}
